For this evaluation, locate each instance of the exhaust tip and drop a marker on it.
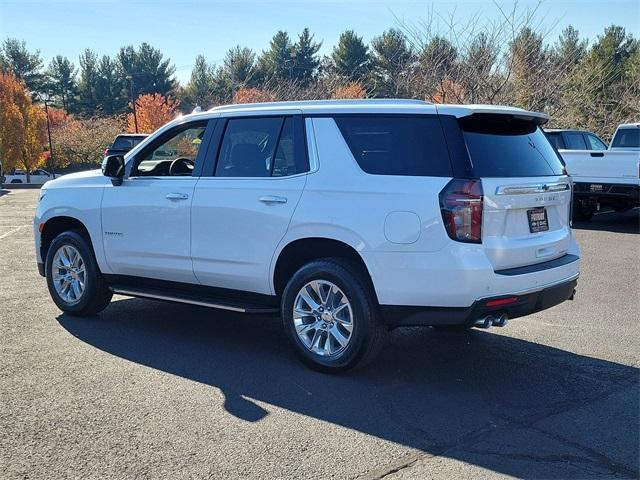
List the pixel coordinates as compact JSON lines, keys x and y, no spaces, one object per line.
{"x":501,"y":321}
{"x":484,"y":322}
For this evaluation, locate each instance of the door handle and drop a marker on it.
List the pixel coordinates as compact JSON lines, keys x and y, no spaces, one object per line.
{"x":177,"y":196}
{"x":268,"y":199}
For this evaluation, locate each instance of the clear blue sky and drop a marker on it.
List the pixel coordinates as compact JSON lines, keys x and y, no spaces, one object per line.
{"x":182,"y":29}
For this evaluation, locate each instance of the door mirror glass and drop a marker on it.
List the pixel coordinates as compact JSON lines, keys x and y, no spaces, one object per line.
{"x":113,"y":167}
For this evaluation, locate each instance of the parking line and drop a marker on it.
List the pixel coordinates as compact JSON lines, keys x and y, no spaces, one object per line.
{"x":10,"y":232}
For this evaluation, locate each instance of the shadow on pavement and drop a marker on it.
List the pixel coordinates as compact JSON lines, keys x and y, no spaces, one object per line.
{"x":618,"y":222}
{"x":4,"y":192}
{"x":508,"y":405}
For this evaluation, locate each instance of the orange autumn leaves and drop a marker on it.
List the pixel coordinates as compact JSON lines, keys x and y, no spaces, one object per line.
{"x":22,"y":126}
{"x":153,"y":110}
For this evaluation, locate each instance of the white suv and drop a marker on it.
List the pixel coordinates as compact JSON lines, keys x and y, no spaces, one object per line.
{"x":347,"y":218}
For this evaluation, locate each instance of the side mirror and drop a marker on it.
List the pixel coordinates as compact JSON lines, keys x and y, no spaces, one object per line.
{"x":113,"y":167}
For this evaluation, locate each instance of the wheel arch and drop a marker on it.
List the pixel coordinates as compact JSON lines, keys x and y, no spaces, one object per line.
{"x":301,"y":251}
{"x":55,"y":226}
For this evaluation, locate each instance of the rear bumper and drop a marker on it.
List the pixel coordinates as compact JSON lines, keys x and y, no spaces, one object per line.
{"x":525,"y":304}
{"x":614,"y":192}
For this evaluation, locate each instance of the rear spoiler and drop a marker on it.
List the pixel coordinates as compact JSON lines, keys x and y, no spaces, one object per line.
{"x":492,"y":111}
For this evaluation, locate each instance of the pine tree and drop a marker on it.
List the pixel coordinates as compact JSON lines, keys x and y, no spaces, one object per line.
{"x":150,"y":72}
{"x":391,"y":58}
{"x":204,"y":89}
{"x":239,"y":68}
{"x":351,"y":56}
{"x":87,"y":104}
{"x":109,"y":88}
{"x":22,"y":64}
{"x":305,"y":56}
{"x":62,"y":82}
{"x":277,"y":62}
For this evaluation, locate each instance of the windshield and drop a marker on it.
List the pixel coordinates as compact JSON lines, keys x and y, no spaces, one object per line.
{"x":627,"y":137}
{"x":504,"y":146}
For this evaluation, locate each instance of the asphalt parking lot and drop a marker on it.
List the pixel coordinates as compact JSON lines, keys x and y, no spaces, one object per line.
{"x":157,"y":390}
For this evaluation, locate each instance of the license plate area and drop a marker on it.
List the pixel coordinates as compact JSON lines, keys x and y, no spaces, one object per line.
{"x":538,"y":221}
{"x":595,"y":187}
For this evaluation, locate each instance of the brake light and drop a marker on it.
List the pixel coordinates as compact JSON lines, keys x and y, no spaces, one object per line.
{"x":501,"y":301}
{"x":461,"y":208}
{"x":106,"y":152}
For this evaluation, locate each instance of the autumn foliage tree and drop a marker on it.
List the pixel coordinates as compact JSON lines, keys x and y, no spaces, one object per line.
{"x":252,"y":95}
{"x":352,"y":90}
{"x":83,"y":141}
{"x":22,"y":126}
{"x":153,"y":111}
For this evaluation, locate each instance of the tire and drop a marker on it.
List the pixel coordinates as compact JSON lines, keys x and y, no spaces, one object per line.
{"x":347,"y":285}
{"x":95,"y":295}
{"x":583,"y":211}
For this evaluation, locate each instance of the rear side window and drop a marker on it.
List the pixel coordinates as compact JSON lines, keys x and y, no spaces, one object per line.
{"x":595,"y":143}
{"x":397,"y":145}
{"x":504,"y":146}
{"x":575,"y":141}
{"x":627,"y":137}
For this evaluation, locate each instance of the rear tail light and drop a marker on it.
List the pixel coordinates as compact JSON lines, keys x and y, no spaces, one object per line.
{"x":461,"y":207}
{"x":106,"y":152}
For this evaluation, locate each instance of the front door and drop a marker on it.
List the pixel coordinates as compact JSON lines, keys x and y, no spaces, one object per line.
{"x":146,"y":221}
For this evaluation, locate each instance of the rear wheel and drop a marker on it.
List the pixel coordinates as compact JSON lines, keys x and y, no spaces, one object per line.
{"x":331,"y":316}
{"x":74,"y":280}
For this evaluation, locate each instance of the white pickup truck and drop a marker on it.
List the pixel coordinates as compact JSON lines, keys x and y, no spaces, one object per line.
{"x":37,"y":177}
{"x":603,"y":178}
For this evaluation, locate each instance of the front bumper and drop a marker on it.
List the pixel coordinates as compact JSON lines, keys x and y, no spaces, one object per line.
{"x":526,"y":304}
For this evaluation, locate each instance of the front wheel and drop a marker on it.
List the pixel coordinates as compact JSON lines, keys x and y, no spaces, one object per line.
{"x":331,"y":316}
{"x":73,"y":277}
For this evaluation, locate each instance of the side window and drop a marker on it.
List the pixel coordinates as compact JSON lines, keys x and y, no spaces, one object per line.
{"x":260,"y":147}
{"x":575,"y":141}
{"x":397,"y":145}
{"x":595,"y":143}
{"x":556,"y":139}
{"x":173,"y":154}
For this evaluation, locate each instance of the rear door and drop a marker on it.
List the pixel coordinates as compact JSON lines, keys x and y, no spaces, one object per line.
{"x":256,"y":171}
{"x":527,"y":194}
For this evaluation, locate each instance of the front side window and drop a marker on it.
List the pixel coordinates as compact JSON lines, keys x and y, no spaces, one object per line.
{"x":397,"y":145}
{"x":260,"y":147}
{"x":595,"y":143}
{"x":173,"y":154}
{"x":575,"y":141}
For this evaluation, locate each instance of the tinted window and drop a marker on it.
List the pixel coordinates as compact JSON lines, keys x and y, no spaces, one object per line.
{"x":556,"y":139}
{"x":126,"y":142}
{"x":502,"y":146}
{"x":595,"y":143}
{"x":575,"y":141}
{"x":397,"y":145}
{"x":260,"y":147}
{"x":627,"y":137}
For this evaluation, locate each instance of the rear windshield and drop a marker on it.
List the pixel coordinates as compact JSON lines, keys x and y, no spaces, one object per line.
{"x":504,"y":146}
{"x":126,"y":143}
{"x":397,"y":145}
{"x":627,"y":137}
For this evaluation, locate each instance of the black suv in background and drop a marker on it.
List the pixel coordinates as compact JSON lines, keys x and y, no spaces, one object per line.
{"x":125,"y":142}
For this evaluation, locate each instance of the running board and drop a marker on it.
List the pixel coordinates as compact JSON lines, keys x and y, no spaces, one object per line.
{"x":195,"y":300}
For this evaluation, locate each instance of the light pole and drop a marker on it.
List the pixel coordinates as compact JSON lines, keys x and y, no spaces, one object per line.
{"x":46,"y":111}
{"x":133,"y":102}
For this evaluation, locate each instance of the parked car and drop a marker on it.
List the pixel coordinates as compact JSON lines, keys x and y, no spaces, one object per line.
{"x":609,"y":178}
{"x":124,"y":142}
{"x":346,"y":218}
{"x":37,"y":177}
{"x":626,"y":137}
{"x":574,"y":139}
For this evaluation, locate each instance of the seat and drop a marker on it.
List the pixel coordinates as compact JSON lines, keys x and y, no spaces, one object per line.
{"x":246,"y":160}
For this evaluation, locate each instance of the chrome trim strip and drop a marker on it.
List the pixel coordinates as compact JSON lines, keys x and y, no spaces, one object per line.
{"x":133,"y":293}
{"x":536,"y":188}
{"x":534,"y":289}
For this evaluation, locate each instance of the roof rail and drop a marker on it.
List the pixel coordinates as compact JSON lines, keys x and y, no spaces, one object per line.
{"x":299,"y":103}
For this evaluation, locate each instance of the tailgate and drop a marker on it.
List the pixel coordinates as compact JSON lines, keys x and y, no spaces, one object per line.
{"x":525,"y":220}
{"x":526,"y":191}
{"x":600,"y":166}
